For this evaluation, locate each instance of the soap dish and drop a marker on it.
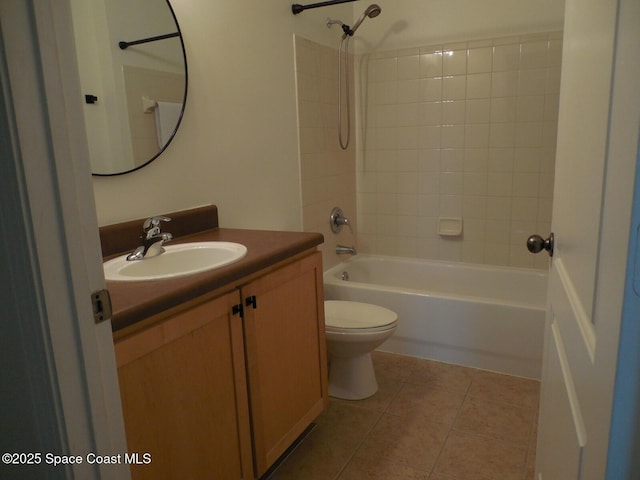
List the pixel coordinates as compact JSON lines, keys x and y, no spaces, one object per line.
{"x":450,"y":226}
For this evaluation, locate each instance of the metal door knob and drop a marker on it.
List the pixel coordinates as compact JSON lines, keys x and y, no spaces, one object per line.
{"x":535,"y":244}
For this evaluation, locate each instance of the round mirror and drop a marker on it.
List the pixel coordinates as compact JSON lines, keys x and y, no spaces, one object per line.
{"x":133,"y":75}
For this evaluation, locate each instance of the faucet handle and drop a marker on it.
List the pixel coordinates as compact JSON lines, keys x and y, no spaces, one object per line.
{"x":337,"y":220}
{"x":154,"y":222}
{"x":151,"y":226}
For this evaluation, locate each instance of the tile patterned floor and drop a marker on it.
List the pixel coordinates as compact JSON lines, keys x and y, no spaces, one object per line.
{"x":428,"y":421}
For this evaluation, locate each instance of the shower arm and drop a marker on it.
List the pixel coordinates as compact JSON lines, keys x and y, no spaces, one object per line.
{"x":345,"y":28}
{"x":296,"y":8}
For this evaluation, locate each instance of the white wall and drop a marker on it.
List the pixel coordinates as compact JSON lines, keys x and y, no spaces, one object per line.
{"x":238,"y":144}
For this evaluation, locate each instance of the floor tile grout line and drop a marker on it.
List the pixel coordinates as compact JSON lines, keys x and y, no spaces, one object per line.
{"x":401,"y":373}
{"x":526,"y":442}
{"x":355,"y":450}
{"x":406,"y":380}
{"x":529,"y":436}
{"x":467,"y":394}
{"x":533,"y":409}
{"x":403,"y":381}
{"x":489,"y":437}
{"x":382,"y":413}
{"x":446,"y":438}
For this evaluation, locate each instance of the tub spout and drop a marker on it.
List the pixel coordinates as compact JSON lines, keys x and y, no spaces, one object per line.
{"x":342,"y":249}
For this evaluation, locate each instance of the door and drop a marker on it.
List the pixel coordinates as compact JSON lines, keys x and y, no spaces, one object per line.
{"x":597,"y":147}
{"x":69,"y":402}
{"x":184,"y":395}
{"x":286,"y":357}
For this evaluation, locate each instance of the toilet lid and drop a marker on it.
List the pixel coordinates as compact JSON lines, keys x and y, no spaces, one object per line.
{"x":344,"y":314}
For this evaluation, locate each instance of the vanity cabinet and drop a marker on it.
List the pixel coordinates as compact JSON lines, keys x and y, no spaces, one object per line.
{"x":184,"y":396}
{"x":223,"y":387}
{"x":286,"y":355}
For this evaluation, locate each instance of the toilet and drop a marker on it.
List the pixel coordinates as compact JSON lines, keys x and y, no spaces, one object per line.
{"x":353,"y":331}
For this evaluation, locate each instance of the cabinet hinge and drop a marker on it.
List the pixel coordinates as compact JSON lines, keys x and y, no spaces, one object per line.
{"x":251,"y":302}
{"x":101,"y":301}
{"x":237,"y":309}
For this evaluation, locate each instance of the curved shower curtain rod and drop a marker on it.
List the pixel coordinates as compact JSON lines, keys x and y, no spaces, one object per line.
{"x":296,"y":8}
{"x":123,"y":45}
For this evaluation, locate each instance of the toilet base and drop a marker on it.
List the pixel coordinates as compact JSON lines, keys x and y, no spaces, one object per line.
{"x":352,"y":378}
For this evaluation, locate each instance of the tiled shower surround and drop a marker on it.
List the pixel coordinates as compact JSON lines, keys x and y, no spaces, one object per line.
{"x":328,"y":172}
{"x":456,"y":130}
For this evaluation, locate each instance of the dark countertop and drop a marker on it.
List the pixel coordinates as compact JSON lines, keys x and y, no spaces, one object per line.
{"x":136,"y":301}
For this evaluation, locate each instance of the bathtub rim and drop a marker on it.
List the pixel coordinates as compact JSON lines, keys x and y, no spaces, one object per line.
{"x":451,"y":263}
{"x":330,"y":276}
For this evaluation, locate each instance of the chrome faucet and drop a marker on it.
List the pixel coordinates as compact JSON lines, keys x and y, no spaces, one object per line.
{"x":341,"y":249}
{"x":152,"y":239}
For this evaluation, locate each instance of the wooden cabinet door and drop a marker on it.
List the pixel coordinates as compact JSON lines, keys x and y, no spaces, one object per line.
{"x":286,"y":356}
{"x":184,"y":397}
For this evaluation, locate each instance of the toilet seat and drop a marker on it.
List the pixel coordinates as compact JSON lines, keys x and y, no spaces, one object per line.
{"x":353,"y":317}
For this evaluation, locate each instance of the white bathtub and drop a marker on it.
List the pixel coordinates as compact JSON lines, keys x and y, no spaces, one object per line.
{"x":480,"y":316}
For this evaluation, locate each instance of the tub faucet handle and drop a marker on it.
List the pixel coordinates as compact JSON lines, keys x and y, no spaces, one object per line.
{"x":337,"y":220}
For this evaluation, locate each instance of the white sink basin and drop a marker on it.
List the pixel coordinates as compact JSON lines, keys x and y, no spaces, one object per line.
{"x":177,"y":261}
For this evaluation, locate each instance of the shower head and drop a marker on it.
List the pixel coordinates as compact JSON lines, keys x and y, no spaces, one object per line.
{"x":372,"y":11}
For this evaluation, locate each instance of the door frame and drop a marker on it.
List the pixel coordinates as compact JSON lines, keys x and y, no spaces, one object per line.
{"x":619,"y":244}
{"x":72,"y":377}
{"x":624,"y":438}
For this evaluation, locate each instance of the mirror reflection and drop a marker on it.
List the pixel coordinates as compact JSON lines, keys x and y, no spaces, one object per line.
{"x":133,"y":96}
